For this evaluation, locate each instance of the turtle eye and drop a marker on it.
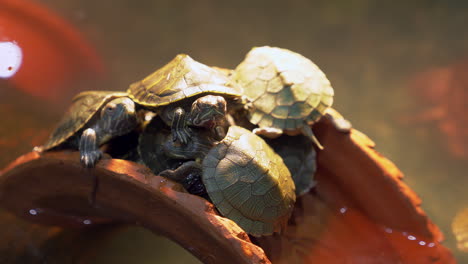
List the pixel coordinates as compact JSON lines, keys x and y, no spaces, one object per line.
{"x":110,"y":108}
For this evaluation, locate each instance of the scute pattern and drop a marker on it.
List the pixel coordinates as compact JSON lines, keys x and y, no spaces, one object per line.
{"x":249,"y":183}
{"x":277,"y":79}
{"x":181,"y":78}
{"x":84,"y":106}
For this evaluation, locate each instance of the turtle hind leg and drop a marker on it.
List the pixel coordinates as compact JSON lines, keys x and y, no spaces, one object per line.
{"x":340,"y":123}
{"x":89,"y":150}
{"x":269,"y":132}
{"x":182,"y":171}
{"x":194,"y":185}
{"x":307,"y":131}
{"x":189,"y":175}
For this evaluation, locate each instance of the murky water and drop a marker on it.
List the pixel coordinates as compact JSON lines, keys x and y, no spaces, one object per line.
{"x":371,"y":51}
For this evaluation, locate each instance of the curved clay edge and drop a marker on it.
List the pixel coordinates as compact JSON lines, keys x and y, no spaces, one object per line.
{"x":371,"y":182}
{"x":127,"y":192}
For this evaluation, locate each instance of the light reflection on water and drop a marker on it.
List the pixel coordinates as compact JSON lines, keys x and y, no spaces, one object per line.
{"x":368,"y":50}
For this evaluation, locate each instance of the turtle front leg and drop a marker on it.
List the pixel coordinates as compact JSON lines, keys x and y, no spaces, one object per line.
{"x":89,"y":150}
{"x":180,"y":131}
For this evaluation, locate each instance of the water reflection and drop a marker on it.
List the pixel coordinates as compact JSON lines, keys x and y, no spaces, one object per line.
{"x":11,"y":58}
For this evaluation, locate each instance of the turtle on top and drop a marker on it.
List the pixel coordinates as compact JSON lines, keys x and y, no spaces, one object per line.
{"x":285,"y":91}
{"x":186,"y":93}
{"x":189,"y":108}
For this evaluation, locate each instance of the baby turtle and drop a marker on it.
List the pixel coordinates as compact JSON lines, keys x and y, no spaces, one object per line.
{"x":286,"y":92}
{"x":247,"y":182}
{"x":93,"y":119}
{"x":300,"y":157}
{"x":185,"y":85}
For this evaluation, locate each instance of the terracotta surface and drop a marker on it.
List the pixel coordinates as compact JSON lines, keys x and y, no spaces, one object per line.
{"x":360,"y":212}
{"x":128,"y":193}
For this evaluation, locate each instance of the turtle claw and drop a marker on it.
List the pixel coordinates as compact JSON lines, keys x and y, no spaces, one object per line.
{"x":38,"y":149}
{"x":182,"y":135}
{"x":340,"y":123}
{"x":89,"y":151}
{"x":90,"y":158}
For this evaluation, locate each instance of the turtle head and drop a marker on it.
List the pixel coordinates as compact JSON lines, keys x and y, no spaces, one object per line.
{"x":207,"y":110}
{"x":118,"y":116}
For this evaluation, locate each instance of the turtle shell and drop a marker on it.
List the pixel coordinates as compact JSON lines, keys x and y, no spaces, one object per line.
{"x":249,"y":183}
{"x":284,"y":88}
{"x":299,"y":156}
{"x":84,"y":107}
{"x":181,"y":78}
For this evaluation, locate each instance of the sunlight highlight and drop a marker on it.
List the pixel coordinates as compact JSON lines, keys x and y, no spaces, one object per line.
{"x":11,"y":57}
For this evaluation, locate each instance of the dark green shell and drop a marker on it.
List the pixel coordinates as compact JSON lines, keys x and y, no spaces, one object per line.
{"x":84,"y":107}
{"x":249,"y":183}
{"x":284,"y":88}
{"x":159,"y":152}
{"x":181,"y":78}
{"x":299,"y":156}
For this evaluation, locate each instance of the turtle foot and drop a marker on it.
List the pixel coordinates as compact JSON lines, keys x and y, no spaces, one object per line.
{"x":340,"y":123}
{"x":38,"y":149}
{"x":182,"y":135}
{"x":90,"y":158}
{"x":268,"y":132}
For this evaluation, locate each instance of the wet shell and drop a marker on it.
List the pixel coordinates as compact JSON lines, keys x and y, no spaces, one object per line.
{"x":284,"y":88}
{"x":249,"y":183}
{"x":84,"y":107}
{"x":181,"y":78}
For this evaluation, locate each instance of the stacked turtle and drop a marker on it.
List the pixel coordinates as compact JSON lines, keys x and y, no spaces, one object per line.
{"x":188,"y":117}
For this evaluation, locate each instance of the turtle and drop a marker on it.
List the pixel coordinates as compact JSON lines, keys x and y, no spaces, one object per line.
{"x":285,"y":92}
{"x":186,"y":93}
{"x":300,"y":157}
{"x":93,"y":118}
{"x":159,"y":152}
{"x":246,"y":181}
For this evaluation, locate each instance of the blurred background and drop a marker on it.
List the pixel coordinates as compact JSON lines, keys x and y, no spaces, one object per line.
{"x":399,"y":69}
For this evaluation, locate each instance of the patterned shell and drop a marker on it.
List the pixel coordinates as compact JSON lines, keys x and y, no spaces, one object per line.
{"x":84,"y":106}
{"x":181,"y":78}
{"x":284,"y":87}
{"x":249,"y":183}
{"x":299,"y":156}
